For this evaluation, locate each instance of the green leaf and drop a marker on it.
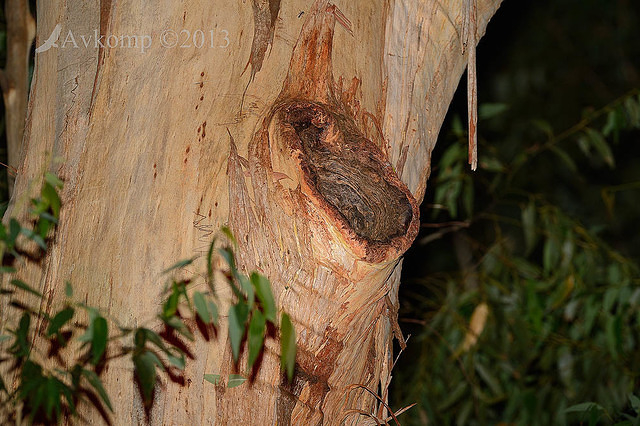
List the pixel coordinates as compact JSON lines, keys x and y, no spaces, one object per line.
{"x":145,"y":372}
{"x":20,"y":347}
{"x":528,"y":217}
{"x":227,"y":255}
{"x":36,"y":238}
{"x":52,"y":220}
{"x":633,"y":111}
{"x":468,"y":196}
{"x":54,"y":389}
{"x":144,"y":334}
{"x":235,"y":380}
{"x":99,"y":339}
{"x":544,"y":126}
{"x":550,"y":254}
{"x":257,"y":327}
{"x":287,"y":345}
{"x":30,"y":379}
{"x":248,"y":289}
{"x":170,"y":306}
{"x":178,"y":265}
{"x":456,"y":127}
{"x":179,"y":326}
{"x":598,"y":141}
{"x":88,"y":334}
{"x":489,"y":379}
{"x":58,"y":321}
{"x":181,"y":288}
{"x":453,"y":396}
{"x":202,"y":308}
{"x":490,"y":110}
{"x":635,"y":403}
{"x":609,"y":299}
{"x":584,"y":407}
{"x":4,"y":337}
{"x":210,"y":265}
{"x":226,"y":231}
{"x":452,"y":155}
{"x":177,"y":359}
{"x":96,"y":384}
{"x":51,"y":197}
{"x":491,"y":164}
{"x":614,"y":335}
{"x":615,"y":122}
{"x":23,"y":286}
{"x":237,"y":318}
{"x":53,"y":180}
{"x":213,"y":309}
{"x":212,"y":378}
{"x":566,"y":158}
{"x":68,"y":395}
{"x":14,"y":229}
{"x":7,"y":269}
{"x":174,"y":354}
{"x":265,"y":296}
{"x":68,"y":290}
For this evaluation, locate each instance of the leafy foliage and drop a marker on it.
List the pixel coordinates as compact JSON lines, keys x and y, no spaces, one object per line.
{"x":542,"y":315}
{"x":45,"y":394}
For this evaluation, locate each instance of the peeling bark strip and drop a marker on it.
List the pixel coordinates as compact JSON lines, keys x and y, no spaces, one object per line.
{"x":470,"y":34}
{"x":265,"y":13}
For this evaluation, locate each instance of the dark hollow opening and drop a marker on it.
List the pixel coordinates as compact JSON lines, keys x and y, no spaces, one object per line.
{"x":348,"y":176}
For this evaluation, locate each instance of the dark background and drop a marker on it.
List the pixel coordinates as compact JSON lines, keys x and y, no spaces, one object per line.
{"x":556,"y":68}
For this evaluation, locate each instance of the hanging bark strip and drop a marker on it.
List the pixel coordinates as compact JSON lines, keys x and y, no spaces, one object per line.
{"x":265,"y":14}
{"x":470,"y":42}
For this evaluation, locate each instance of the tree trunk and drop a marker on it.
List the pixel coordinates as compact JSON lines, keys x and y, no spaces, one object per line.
{"x":311,"y":140}
{"x":14,"y":79}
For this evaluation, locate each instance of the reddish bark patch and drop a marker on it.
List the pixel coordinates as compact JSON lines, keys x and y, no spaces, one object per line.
{"x":311,"y":370}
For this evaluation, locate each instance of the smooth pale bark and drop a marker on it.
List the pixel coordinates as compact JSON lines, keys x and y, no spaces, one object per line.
{"x":158,"y":149}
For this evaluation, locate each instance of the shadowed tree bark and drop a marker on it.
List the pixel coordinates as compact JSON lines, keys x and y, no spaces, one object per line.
{"x":306,"y":127}
{"x":14,"y":79}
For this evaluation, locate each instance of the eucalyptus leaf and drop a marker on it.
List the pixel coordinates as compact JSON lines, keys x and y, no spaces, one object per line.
{"x":145,"y":372}
{"x":265,"y":296}
{"x":212,"y":378}
{"x":237,"y":319}
{"x":202,"y":308}
{"x":235,"y":380}
{"x":178,"y":265}
{"x":257,"y":327}
{"x":23,"y":286}
{"x":287,"y":345}
{"x":100,"y":335}
{"x":96,"y":384}
{"x":58,"y":321}
{"x":68,"y":289}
